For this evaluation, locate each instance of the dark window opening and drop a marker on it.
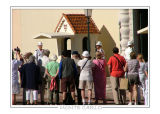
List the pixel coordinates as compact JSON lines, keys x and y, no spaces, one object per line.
{"x":85,"y":44}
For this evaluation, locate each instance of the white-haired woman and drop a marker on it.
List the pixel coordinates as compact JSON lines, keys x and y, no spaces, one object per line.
{"x":31,"y":79}
{"x":86,"y":78}
{"x":52,"y":69}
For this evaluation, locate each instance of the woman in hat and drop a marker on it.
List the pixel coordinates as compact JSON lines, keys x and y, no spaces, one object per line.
{"x":99,"y":77}
{"x":86,"y":78}
{"x":99,"y":49}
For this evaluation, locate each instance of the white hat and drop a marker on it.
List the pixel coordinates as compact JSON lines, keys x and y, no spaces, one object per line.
{"x":39,"y":44}
{"x":130,"y":43}
{"x":85,"y":54}
{"x":54,"y":57}
{"x":99,"y":43}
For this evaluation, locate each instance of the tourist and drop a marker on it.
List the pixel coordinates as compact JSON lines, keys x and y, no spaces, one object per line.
{"x":142,"y":77}
{"x":132,"y":67}
{"x":86,"y":77}
{"x":116,"y":65}
{"x":26,"y":59}
{"x":76,"y":58}
{"x":45,"y":60}
{"x":31,"y":79}
{"x":128,"y":50}
{"x":38,"y":60}
{"x":146,"y":84}
{"x":15,"y":84}
{"x":99,"y":77}
{"x":67,"y":74}
{"x":52,"y":69}
{"x":99,"y":49}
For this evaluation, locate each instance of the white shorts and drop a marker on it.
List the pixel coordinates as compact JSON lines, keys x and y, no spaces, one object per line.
{"x":29,"y":92}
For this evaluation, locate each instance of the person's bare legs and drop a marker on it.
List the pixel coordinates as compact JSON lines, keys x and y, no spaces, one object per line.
{"x":83,"y":95}
{"x":130,"y":94}
{"x":135,"y":92}
{"x":13,"y":99}
{"x":89,"y":95}
{"x":35,"y":102}
{"x":28,"y":102}
{"x":73,"y":95}
{"x":64,"y":95}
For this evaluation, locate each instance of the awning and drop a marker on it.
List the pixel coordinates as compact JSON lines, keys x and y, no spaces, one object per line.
{"x":53,"y":35}
{"x":143,"y":31}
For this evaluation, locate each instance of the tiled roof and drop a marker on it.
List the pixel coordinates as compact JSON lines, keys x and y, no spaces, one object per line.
{"x":78,"y":23}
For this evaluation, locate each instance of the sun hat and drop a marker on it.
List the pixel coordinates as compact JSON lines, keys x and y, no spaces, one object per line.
{"x":130,"y":43}
{"x":40,"y":44}
{"x":85,"y":54}
{"x":99,"y":43}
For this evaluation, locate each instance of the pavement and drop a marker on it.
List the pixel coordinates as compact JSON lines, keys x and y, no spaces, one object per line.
{"x":109,"y":96}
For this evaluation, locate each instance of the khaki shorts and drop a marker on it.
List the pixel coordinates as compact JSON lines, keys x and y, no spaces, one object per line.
{"x":84,"y":83}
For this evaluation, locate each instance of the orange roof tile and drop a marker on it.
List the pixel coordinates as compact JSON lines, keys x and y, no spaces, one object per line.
{"x":78,"y":23}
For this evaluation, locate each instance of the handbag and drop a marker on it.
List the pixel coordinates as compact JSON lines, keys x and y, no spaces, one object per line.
{"x":123,"y":83}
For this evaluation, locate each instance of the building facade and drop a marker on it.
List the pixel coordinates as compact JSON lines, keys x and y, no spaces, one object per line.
{"x":116,"y":28}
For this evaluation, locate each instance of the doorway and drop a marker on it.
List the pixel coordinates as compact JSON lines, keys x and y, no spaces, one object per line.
{"x":67,"y":46}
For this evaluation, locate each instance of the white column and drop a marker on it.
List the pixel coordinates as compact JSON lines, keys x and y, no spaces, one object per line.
{"x":124,"y":29}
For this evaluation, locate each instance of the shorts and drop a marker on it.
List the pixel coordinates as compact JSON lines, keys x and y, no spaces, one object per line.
{"x":84,"y":83}
{"x":133,"y":79}
{"x":68,"y":82}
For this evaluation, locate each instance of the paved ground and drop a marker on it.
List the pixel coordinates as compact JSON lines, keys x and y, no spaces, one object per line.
{"x":109,"y":96}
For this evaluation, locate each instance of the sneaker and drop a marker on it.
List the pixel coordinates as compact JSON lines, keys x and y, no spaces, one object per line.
{"x":84,"y":103}
{"x":130,"y":103}
{"x":135,"y":103}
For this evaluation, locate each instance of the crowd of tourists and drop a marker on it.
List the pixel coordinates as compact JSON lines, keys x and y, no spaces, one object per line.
{"x":77,"y":74}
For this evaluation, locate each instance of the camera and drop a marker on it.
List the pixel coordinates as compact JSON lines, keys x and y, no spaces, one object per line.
{"x":17,"y":49}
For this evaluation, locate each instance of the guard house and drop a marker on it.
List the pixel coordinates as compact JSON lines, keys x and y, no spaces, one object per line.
{"x":71,"y":34}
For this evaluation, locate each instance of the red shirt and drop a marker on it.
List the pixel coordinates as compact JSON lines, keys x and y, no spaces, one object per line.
{"x":116,"y":67}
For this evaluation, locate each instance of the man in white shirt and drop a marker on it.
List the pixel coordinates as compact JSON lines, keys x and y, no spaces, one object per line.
{"x":39,"y":54}
{"x":128,"y":50}
{"x":45,"y":60}
{"x":38,"y":60}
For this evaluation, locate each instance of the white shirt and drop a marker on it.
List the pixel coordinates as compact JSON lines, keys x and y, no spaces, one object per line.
{"x":15,"y":65}
{"x":86,"y":72}
{"x":142,"y":68}
{"x":127,"y":53}
{"x":38,"y":56}
{"x":45,"y":60}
